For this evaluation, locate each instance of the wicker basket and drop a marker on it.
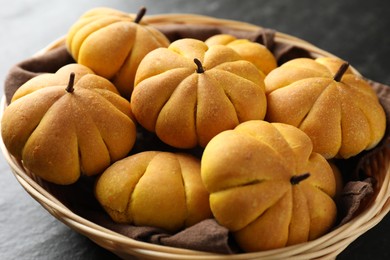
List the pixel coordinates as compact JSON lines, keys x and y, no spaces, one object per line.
{"x":326,"y":247}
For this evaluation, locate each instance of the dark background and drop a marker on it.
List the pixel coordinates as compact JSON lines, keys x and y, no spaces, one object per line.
{"x":355,"y":30}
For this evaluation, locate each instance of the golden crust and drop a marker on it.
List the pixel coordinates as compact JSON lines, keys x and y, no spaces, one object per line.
{"x":253,"y":52}
{"x":158,"y":189}
{"x":60,"y":135}
{"x":342,"y":118}
{"x":187,"y":108}
{"x":112,"y":45}
{"x":253,"y":166}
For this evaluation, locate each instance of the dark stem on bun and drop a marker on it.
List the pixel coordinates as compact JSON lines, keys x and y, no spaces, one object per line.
{"x":199,"y":64}
{"x":298,"y":178}
{"x":339,"y":74}
{"x":70,"y":88}
{"x":140,"y":14}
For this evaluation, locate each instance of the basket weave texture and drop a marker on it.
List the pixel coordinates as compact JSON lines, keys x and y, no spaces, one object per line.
{"x":326,"y":247}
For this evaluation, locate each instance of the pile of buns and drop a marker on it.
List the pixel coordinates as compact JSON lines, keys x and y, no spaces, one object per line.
{"x":267,"y":132}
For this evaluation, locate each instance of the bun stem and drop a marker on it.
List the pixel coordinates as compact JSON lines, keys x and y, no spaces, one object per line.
{"x":140,"y":14}
{"x":298,"y":178}
{"x":339,"y":74}
{"x":200,"y":68}
{"x":70,"y":88}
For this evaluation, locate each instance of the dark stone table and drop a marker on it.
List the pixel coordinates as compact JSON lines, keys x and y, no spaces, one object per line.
{"x":355,"y":30}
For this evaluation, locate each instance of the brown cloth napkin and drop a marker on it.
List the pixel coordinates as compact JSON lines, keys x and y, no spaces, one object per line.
{"x":207,"y":235}
{"x":50,"y":62}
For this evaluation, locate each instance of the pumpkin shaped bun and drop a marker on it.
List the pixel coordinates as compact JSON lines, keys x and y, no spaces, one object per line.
{"x":113,"y":43}
{"x":159,"y":189}
{"x":189,"y":92}
{"x":337,"y":109}
{"x":283,"y":189}
{"x":254,"y":52}
{"x":66,"y":124}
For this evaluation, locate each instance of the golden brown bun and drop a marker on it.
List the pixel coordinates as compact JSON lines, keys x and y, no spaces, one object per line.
{"x":252,"y":167}
{"x":342,"y":117}
{"x":158,"y":189}
{"x":254,"y":52}
{"x":60,"y":135}
{"x":112,"y":45}
{"x":186,"y":108}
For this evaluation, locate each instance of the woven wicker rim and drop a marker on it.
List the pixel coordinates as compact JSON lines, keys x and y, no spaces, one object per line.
{"x":327,"y":246}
